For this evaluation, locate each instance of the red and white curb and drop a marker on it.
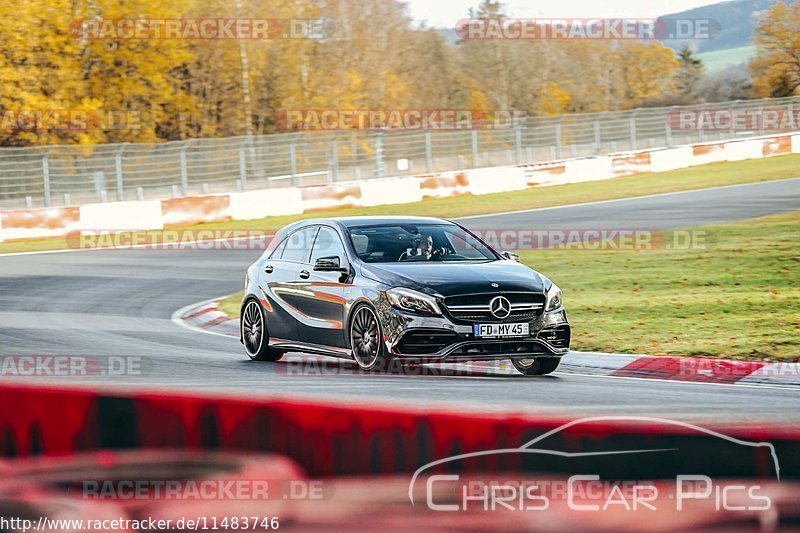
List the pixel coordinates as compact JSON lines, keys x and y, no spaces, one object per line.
{"x":689,"y":369}
{"x":206,"y":317}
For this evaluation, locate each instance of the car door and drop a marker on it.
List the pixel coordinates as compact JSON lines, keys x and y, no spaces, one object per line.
{"x":280,"y":276}
{"x":321,"y":299}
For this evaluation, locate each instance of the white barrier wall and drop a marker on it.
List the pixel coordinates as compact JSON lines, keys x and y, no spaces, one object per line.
{"x":148,"y":215}
{"x":671,"y":159}
{"x":121,"y":216}
{"x":268,"y":202}
{"x":390,"y":191}
{"x":703,"y":154}
{"x":589,"y":169}
{"x":500,"y":179}
{"x":741,"y":150}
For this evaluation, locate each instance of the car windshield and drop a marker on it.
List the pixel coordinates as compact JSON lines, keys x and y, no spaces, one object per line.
{"x":401,"y":243}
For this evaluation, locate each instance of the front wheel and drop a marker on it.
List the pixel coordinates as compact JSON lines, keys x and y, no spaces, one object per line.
{"x":536,"y":367}
{"x":366,"y":340}
{"x":254,"y":333}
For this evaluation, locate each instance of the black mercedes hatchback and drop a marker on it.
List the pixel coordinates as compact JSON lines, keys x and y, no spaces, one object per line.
{"x":399,"y":289}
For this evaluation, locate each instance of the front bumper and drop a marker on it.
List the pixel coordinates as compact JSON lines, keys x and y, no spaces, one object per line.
{"x":416,"y":338}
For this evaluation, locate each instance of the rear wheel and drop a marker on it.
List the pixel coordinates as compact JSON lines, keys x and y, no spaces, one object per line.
{"x":366,"y":339}
{"x":254,"y":333}
{"x":536,"y":367}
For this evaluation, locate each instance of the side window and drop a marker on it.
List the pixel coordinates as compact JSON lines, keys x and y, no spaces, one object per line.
{"x":328,"y":244}
{"x":277,"y":253}
{"x":298,"y":245}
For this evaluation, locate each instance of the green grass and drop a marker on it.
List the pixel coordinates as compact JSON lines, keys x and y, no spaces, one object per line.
{"x":721,"y":59}
{"x":737,"y":298}
{"x":711,"y":175}
{"x":232,"y":304}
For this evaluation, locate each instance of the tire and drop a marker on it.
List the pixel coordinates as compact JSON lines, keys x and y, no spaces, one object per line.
{"x":366,"y":339}
{"x":253,"y":327}
{"x":536,"y":367}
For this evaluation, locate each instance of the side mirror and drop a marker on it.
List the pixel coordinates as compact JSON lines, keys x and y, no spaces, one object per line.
{"x":329,"y":264}
{"x":511,"y":255}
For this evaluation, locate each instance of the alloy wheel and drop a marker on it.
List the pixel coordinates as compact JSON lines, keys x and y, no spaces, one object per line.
{"x":252,"y":328}
{"x":365,"y":337}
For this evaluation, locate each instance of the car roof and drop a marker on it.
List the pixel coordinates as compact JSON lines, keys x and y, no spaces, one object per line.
{"x":360,"y":221}
{"x":351,"y":222}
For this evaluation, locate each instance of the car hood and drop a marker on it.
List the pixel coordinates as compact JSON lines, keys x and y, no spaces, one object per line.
{"x":450,"y":279}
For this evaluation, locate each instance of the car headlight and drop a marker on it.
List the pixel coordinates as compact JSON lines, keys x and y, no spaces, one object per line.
{"x":413,"y":301}
{"x":553,"y":298}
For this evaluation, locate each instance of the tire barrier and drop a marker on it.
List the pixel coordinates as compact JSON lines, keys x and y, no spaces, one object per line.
{"x":328,"y":440}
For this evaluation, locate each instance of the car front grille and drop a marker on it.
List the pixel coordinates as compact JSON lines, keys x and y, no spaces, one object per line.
{"x":425,"y":341}
{"x":525,"y":306}
{"x":508,"y":348}
{"x":557,"y":337}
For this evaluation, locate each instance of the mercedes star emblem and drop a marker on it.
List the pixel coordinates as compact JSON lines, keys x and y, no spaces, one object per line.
{"x":500,"y":307}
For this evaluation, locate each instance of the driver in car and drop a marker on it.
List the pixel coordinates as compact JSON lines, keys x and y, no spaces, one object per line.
{"x":422,"y":250}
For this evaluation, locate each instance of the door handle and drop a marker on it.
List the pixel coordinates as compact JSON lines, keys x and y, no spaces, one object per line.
{"x":305,"y":274}
{"x":268,"y":269}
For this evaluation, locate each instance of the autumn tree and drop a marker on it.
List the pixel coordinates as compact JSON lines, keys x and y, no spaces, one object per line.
{"x":689,"y":75}
{"x":776,"y":67}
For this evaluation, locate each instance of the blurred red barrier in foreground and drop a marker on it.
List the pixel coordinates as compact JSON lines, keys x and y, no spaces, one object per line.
{"x":55,"y":488}
{"x":334,"y":439}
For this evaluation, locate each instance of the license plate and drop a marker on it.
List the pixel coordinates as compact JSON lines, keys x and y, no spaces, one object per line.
{"x":501,"y":330}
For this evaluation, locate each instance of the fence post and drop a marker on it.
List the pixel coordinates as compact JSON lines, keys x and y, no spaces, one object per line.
{"x":428,"y":152}
{"x":243,"y":165}
{"x":596,"y":125}
{"x":46,"y":178}
{"x":293,"y":161}
{"x":184,"y":170}
{"x":334,"y":160}
{"x":518,"y":139}
{"x":668,"y":127}
{"x":559,"y":136}
{"x":118,"y":170}
{"x":632,"y":128}
{"x":474,"y":148}
{"x":379,"y":155}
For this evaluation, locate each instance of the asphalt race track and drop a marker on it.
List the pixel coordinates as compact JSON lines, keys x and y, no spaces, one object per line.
{"x":119,"y":303}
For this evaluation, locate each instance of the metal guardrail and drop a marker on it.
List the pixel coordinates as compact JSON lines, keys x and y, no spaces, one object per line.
{"x":69,"y":175}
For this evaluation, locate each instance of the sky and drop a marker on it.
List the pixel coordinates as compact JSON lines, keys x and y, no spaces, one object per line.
{"x":444,"y":13}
